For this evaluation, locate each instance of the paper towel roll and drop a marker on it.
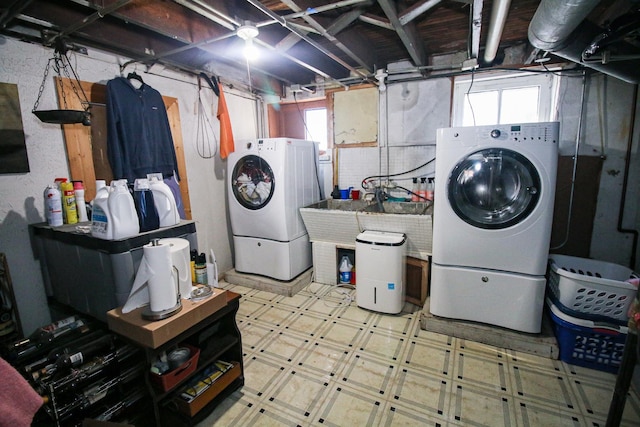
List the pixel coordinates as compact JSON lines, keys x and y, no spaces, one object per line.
{"x":180,"y":259}
{"x":162,"y":285}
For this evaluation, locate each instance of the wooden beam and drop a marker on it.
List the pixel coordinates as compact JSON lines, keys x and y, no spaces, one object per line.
{"x":348,"y":48}
{"x":407,"y":33}
{"x":378,"y":21}
{"x":416,"y":10}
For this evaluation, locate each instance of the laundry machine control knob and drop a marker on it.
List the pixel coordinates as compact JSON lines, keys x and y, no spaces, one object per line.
{"x":495,"y":133}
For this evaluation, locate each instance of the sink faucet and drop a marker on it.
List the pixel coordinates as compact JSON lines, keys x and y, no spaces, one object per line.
{"x":379,"y":197}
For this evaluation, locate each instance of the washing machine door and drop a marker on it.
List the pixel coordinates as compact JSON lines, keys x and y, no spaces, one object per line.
{"x":494,"y":188}
{"x":252,"y":182}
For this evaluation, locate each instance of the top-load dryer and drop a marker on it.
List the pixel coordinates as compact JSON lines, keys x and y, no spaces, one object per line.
{"x":269,"y":180}
{"x":493,"y":209}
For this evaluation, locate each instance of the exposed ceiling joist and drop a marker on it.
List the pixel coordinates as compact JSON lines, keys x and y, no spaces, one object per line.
{"x":99,"y":14}
{"x":344,"y":21}
{"x":416,"y":10}
{"x":13,"y":10}
{"x":209,"y":13}
{"x":407,"y":33}
{"x":377,"y":21}
{"x":331,"y":39}
{"x":319,"y":9}
{"x":315,"y":24}
{"x":476,"y":27}
{"x":317,"y":46}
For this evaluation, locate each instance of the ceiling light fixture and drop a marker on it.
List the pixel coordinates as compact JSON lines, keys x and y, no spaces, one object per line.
{"x":381,"y":75}
{"x":248,"y":32}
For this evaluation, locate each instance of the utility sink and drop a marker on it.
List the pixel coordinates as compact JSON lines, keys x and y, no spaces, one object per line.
{"x":340,"y":221}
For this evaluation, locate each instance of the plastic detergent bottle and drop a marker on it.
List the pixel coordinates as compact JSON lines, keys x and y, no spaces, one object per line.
{"x":100,"y":183}
{"x":145,"y":206}
{"x":345,"y":270}
{"x":165,"y":202}
{"x":81,"y":206}
{"x":69,"y":203}
{"x":124,"y":218}
{"x":101,"y":223}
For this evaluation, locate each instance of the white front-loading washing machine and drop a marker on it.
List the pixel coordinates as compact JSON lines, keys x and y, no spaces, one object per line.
{"x":269,"y":180}
{"x":493,"y":209}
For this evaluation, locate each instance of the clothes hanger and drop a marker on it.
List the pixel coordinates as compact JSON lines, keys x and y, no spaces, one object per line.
{"x":213,"y":83}
{"x":135,"y":76}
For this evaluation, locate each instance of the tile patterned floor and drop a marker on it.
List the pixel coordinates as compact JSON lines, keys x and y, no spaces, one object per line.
{"x":317,"y":359}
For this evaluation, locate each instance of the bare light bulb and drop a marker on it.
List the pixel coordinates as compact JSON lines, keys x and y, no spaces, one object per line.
{"x":250,"y":50}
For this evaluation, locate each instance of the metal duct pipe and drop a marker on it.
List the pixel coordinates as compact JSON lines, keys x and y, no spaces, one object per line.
{"x":560,"y":27}
{"x":555,"y":20}
{"x":499,"y":13}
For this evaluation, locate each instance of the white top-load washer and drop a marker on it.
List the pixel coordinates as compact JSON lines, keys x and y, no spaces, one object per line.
{"x":493,"y":209}
{"x":268,"y":181}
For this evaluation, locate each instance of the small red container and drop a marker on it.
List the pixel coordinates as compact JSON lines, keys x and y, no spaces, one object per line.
{"x":169,"y":380}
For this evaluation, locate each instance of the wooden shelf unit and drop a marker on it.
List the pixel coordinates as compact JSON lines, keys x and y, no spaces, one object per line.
{"x":218,"y":338}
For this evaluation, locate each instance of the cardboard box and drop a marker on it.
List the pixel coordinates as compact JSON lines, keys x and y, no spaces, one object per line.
{"x":153,"y":334}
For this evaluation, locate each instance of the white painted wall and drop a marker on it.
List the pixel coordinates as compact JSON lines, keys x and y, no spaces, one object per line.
{"x":21,"y":200}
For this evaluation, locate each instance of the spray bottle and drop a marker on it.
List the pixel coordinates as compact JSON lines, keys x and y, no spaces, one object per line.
{"x":53,"y":206}
{"x":81,"y":206}
{"x":430,"y":189}
{"x":415,"y":190}
{"x":423,"y":189}
{"x":69,"y":203}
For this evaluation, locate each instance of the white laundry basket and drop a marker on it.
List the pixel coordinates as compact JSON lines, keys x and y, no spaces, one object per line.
{"x":591,"y":289}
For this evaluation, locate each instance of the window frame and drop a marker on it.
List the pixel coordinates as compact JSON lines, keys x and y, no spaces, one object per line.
{"x":547,"y":82}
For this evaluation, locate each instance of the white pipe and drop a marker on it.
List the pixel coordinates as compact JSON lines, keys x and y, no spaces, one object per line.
{"x":499,"y":13}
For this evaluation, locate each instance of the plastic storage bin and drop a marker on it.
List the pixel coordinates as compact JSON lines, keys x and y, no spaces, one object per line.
{"x":590,"y":289}
{"x":170,"y":379}
{"x":586,"y":343}
{"x":93,"y":275}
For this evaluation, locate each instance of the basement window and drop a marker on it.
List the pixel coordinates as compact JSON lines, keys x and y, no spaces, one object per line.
{"x":506,"y":98}
{"x":301,"y":119}
{"x":315,"y":120}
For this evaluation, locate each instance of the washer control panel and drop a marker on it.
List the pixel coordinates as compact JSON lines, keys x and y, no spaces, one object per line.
{"x":546,"y":133}
{"x":527,"y":132}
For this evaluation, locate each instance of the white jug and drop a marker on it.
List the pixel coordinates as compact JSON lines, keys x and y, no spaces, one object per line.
{"x":165,"y":203}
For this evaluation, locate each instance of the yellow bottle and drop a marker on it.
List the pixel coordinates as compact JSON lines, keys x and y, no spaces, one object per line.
{"x":69,"y":203}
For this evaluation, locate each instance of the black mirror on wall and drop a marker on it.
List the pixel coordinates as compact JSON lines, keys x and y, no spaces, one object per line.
{"x":13,"y":150}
